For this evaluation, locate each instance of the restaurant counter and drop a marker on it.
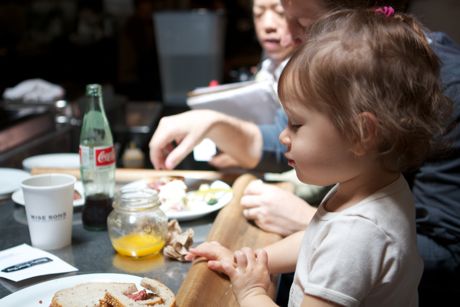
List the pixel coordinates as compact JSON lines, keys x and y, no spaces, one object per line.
{"x":92,"y":252}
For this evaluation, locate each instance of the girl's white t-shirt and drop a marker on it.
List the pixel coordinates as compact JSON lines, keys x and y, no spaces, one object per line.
{"x":365,"y":255}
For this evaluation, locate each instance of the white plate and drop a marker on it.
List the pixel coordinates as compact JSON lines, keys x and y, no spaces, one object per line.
{"x":10,"y":179}
{"x":57,"y":160}
{"x":43,"y":292}
{"x":18,"y":197}
{"x":196,"y":208}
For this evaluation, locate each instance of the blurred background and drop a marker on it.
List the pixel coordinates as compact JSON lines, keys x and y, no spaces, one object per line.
{"x":147,"y":54}
{"x":74,"y":42}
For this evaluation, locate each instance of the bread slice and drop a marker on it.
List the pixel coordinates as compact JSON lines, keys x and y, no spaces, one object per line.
{"x":159,"y":288}
{"x":88,"y":294}
{"x":162,"y":296}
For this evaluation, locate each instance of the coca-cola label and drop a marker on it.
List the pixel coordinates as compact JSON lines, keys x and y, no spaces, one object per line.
{"x":104,"y":156}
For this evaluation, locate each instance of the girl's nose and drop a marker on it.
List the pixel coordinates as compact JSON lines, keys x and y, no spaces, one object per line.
{"x":285,"y":139}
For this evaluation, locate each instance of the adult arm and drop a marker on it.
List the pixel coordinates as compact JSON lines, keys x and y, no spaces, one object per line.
{"x":271,"y":155}
{"x":177,"y":135}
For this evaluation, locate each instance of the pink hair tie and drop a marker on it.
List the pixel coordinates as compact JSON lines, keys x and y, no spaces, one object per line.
{"x":388,"y":11}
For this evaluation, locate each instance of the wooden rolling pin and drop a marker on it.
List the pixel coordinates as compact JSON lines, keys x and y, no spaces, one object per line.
{"x":128,"y":174}
{"x":203,"y":287}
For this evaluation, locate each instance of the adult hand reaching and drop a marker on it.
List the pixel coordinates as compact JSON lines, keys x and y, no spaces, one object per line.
{"x":177,"y":135}
{"x":274,"y":209}
{"x":186,"y":130}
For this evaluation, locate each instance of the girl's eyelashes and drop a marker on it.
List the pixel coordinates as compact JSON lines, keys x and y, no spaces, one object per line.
{"x":293,"y":126}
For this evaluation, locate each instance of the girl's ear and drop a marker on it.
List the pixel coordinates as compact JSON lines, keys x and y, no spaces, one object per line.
{"x":367,"y":140}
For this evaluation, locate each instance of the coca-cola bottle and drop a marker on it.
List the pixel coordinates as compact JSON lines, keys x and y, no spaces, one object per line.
{"x":97,"y":161}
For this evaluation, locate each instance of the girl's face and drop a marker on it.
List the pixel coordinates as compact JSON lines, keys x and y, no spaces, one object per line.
{"x":316,"y":150}
{"x":271,"y":27}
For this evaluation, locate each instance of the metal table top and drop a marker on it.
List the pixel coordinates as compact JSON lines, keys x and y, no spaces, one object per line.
{"x":92,"y":252}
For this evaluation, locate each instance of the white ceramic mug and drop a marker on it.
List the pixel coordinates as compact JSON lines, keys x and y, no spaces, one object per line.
{"x":49,"y":208}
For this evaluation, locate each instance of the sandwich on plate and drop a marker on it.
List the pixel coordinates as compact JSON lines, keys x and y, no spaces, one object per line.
{"x":113,"y":294}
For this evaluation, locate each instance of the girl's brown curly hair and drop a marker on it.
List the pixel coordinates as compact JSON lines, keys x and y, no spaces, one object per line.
{"x":357,"y":61}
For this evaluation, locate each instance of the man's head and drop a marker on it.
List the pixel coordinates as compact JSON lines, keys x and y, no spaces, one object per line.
{"x":270,"y":25}
{"x":301,"y":14}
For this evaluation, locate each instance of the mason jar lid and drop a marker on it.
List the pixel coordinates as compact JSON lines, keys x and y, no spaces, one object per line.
{"x":136,"y":199}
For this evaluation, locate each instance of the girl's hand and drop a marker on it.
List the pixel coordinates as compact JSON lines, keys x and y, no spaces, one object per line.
{"x":213,"y":252}
{"x":249,"y":274}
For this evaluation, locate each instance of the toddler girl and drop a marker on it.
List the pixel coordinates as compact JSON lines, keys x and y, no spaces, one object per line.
{"x":363,"y":104}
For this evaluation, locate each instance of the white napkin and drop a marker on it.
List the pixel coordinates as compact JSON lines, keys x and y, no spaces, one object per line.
{"x":23,"y":261}
{"x":204,"y":151}
{"x":34,"y":90}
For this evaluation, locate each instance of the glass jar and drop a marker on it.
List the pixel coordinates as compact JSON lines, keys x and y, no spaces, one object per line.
{"x":137,"y":226}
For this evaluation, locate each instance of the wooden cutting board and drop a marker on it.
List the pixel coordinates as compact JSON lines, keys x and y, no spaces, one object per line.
{"x":128,"y":175}
{"x":203,"y":287}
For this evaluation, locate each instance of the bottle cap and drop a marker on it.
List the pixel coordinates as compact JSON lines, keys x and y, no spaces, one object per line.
{"x":93,"y":90}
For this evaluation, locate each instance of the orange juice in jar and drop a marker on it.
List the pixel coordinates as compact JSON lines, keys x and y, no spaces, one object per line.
{"x":137,"y":226}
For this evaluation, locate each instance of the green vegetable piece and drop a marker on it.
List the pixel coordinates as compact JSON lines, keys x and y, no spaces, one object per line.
{"x":212,"y":201}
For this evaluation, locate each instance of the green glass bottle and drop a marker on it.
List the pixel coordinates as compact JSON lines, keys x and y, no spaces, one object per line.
{"x":97,"y":161}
